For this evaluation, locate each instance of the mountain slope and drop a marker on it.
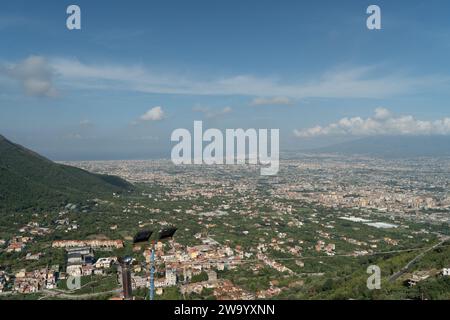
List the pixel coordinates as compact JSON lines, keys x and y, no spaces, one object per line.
{"x":393,"y":146}
{"x":30,"y":180}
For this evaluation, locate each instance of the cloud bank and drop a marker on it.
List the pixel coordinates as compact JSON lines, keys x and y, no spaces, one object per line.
{"x":355,"y":82}
{"x":38,"y":76}
{"x":382,"y":123}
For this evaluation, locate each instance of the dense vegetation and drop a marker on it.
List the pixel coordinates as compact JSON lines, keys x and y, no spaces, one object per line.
{"x":30,"y":180}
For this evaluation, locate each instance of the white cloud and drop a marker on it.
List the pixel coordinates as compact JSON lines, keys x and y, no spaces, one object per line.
{"x":383,"y":123}
{"x":356,"y":82}
{"x":209,"y":113}
{"x":35,"y":75}
{"x":382,"y":113}
{"x":271,"y":101}
{"x":154,"y":114}
{"x":38,"y":74}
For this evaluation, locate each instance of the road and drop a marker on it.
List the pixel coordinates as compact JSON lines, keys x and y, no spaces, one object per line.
{"x":396,"y":275}
{"x":63,"y":295}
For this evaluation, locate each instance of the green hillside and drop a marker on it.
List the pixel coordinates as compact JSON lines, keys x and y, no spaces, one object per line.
{"x":28,"y":180}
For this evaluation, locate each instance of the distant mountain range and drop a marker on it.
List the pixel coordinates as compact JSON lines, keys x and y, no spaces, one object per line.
{"x":393,"y":146}
{"x":28,"y":180}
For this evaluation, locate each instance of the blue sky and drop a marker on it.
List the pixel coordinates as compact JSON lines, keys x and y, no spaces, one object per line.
{"x":310,"y":68}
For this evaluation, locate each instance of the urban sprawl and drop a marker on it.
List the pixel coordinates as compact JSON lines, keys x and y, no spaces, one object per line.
{"x":239,"y":235}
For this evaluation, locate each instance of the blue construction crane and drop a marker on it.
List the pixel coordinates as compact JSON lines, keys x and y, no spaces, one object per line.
{"x":152,"y":272}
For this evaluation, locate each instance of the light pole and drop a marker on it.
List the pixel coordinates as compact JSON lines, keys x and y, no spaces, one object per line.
{"x":125,"y":264}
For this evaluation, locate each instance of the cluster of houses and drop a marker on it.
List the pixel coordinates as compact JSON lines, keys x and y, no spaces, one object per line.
{"x":95,"y":244}
{"x":187,"y":262}
{"x":228,"y":291}
{"x":37,"y":280}
{"x":80,"y":256}
{"x":35,"y":229}
{"x":329,"y":249}
{"x":273,"y":264}
{"x":419,"y":276}
{"x":18,"y":244}
{"x":81,"y":262}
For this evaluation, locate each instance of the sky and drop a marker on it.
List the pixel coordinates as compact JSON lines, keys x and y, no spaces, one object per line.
{"x":138,"y":70}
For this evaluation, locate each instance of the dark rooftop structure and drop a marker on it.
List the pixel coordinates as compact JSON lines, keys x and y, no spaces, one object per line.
{"x":142,"y":236}
{"x":167,"y":233}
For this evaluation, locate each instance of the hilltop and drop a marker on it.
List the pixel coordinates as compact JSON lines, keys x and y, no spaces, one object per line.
{"x":29,"y":180}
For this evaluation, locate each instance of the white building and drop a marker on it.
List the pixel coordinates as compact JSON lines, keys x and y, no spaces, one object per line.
{"x":171,"y":277}
{"x":74,"y":270}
